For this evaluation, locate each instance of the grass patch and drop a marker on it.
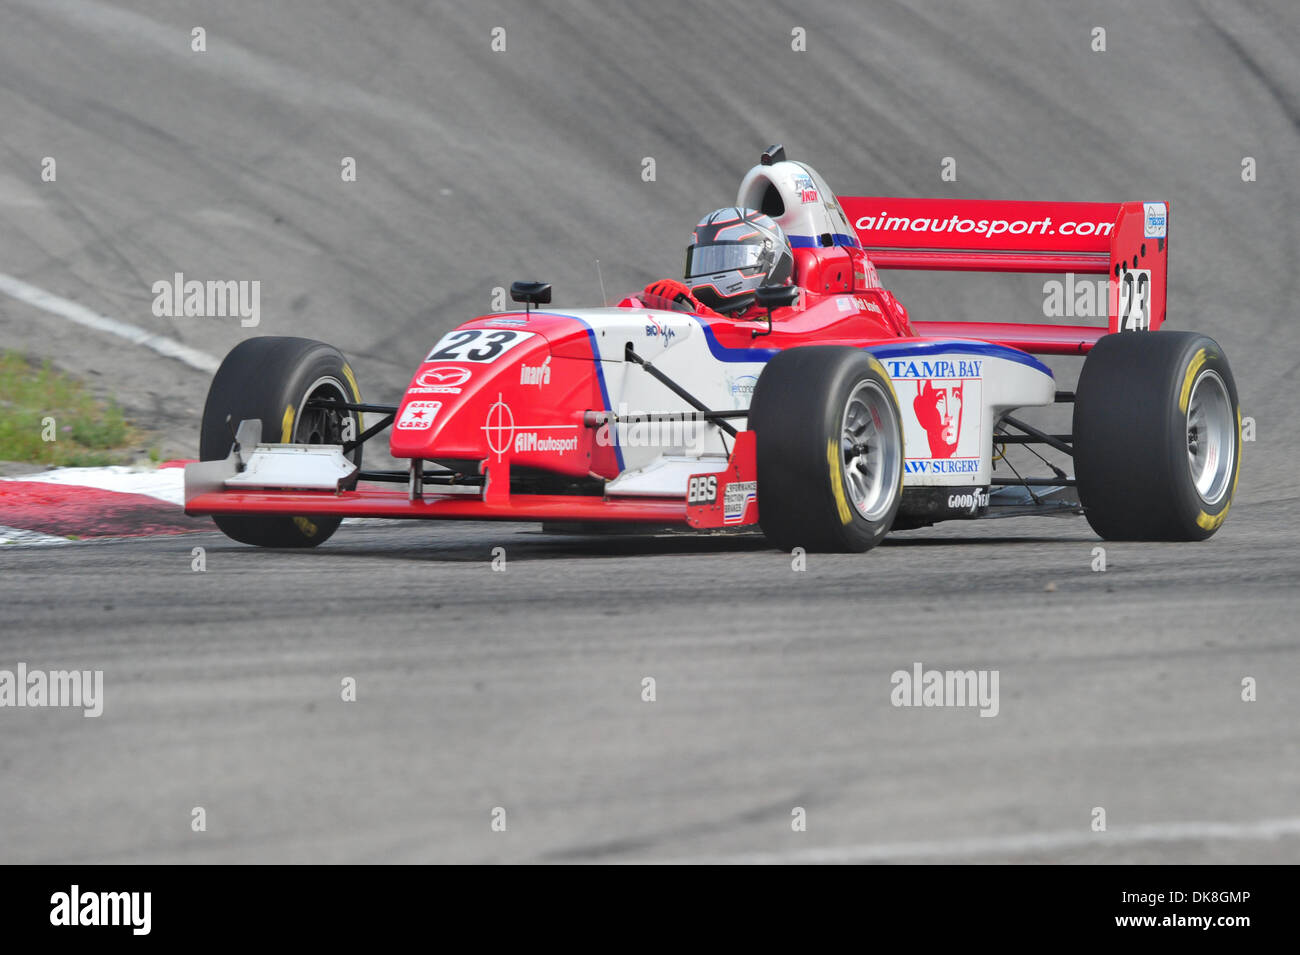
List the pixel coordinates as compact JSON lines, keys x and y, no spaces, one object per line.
{"x":87,"y":432}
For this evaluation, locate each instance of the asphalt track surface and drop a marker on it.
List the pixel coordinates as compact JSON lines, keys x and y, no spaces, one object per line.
{"x":522,"y":689}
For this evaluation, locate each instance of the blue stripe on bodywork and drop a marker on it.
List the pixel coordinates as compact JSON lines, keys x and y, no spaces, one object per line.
{"x":815,"y":242}
{"x":595,"y":354}
{"x":604,"y":391}
{"x":722,"y":353}
{"x":763,"y":355}
{"x":989,"y":349}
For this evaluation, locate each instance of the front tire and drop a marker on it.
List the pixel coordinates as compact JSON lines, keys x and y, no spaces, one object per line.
{"x":1157,"y":436}
{"x":830,"y":449}
{"x":272,"y":379}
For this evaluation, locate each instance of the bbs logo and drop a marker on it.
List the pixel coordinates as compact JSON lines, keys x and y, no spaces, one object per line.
{"x":702,"y":490}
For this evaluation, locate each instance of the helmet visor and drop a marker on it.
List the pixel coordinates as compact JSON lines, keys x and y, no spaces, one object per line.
{"x":722,"y":257}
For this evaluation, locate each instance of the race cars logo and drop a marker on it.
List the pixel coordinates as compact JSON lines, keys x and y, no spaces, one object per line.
{"x":418,"y":415}
{"x":441,"y":379}
{"x":943,"y":432}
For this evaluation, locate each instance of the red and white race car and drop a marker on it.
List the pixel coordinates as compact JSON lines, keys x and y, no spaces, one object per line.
{"x":829,"y":420}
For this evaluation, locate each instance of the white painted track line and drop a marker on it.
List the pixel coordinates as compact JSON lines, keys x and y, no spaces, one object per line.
{"x":1012,"y":844}
{"x":74,"y":312}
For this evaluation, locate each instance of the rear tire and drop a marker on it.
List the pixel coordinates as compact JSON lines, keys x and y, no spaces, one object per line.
{"x":830,"y":449}
{"x":1157,"y":436}
{"x":272,"y":379}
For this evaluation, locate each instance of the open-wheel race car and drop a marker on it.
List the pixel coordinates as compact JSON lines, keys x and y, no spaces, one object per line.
{"x":822,"y":414}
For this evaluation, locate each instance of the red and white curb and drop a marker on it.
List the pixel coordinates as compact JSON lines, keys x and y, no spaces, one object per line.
{"x":52,"y":506}
{"x":12,"y":535}
{"x":58,"y":506}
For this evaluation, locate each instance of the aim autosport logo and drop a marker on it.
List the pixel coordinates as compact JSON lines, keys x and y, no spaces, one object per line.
{"x":504,"y":434}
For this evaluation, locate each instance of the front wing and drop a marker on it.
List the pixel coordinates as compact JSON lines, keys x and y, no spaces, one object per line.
{"x":217,"y":488}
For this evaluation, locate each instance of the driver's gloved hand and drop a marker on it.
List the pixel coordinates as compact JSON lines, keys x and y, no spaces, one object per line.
{"x":675,"y":292}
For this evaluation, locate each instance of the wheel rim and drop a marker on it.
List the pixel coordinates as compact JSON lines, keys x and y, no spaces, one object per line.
{"x":869,"y":443}
{"x":1211,"y":445}
{"x":320,"y":425}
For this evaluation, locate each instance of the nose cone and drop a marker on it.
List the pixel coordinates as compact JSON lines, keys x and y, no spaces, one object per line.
{"x":486,"y":392}
{"x":443,"y":411}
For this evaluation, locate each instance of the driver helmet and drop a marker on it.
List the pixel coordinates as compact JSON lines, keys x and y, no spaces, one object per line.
{"x":733,"y":252}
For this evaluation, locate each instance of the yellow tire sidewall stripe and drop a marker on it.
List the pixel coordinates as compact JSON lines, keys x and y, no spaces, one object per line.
{"x":1193,"y":369}
{"x":837,"y":482}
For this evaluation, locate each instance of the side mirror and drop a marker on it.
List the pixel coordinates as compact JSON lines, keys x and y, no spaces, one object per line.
{"x":531,"y":293}
{"x":773,"y":297}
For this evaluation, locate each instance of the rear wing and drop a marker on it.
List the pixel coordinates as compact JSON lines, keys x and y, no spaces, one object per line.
{"x":1128,"y":242}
